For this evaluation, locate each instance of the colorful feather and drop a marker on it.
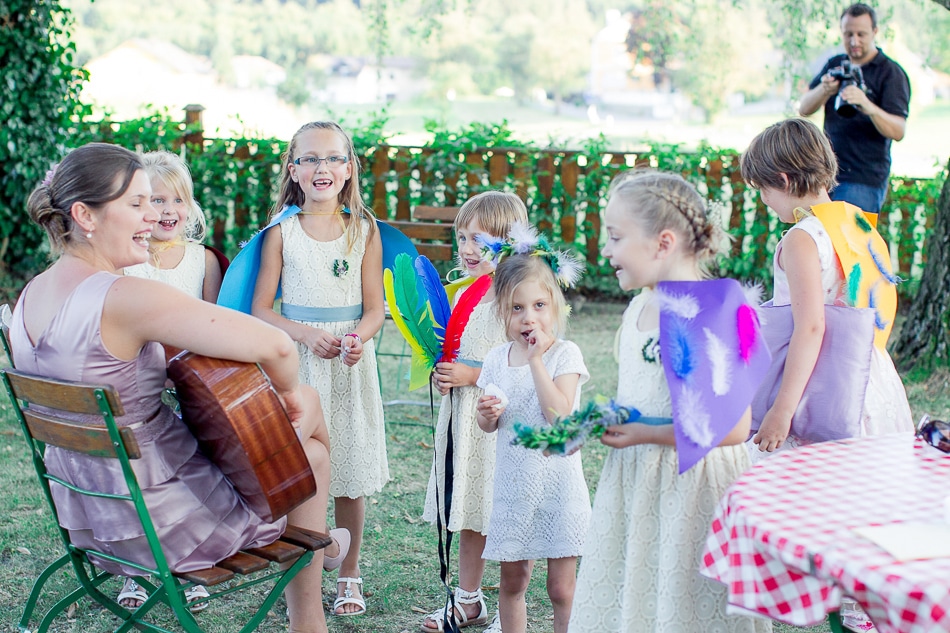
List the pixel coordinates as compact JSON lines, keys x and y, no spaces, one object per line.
{"x":747,"y":327}
{"x":683,"y":306}
{"x":879,"y":321}
{"x":854,"y":284}
{"x":435,"y":291}
{"x":882,"y":266}
{"x":681,"y":349}
{"x":693,"y":419}
{"x":402,"y":296}
{"x":460,"y":315}
{"x":720,"y":365}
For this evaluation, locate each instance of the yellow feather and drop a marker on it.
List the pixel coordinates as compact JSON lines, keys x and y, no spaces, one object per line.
{"x":397,"y":317}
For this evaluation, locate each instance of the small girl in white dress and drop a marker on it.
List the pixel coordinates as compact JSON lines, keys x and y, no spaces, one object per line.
{"x":325,"y":257}
{"x":639,"y":571}
{"x":176,"y":255}
{"x":541,"y":504}
{"x":492,"y":213}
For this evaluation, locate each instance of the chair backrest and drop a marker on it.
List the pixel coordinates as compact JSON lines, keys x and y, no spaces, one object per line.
{"x":53,"y":424}
{"x":432,"y":231}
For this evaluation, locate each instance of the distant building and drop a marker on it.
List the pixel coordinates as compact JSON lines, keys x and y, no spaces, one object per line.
{"x":351,"y":79}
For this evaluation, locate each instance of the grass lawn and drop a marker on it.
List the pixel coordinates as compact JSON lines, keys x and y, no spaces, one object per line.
{"x":400,"y":563}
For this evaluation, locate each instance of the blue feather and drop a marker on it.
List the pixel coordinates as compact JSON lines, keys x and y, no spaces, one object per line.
{"x":882,"y":267}
{"x":435,"y":291}
{"x":879,"y":321}
{"x":681,"y":349}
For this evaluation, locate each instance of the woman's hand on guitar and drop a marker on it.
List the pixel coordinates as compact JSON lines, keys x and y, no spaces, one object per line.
{"x":321,"y":342}
{"x":293,"y":405}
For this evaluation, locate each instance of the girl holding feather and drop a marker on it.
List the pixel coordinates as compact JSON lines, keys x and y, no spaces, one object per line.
{"x":489,"y":213}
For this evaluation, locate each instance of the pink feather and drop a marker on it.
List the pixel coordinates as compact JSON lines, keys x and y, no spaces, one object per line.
{"x":747,"y":322}
{"x":459,"y":318}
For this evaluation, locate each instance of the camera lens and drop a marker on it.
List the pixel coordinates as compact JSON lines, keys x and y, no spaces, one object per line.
{"x":842,"y":107}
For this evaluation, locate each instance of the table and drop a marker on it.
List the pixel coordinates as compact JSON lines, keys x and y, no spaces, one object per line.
{"x":782,"y":538}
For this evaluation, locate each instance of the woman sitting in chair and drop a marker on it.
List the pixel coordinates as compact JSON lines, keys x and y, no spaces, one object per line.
{"x":80,"y":320}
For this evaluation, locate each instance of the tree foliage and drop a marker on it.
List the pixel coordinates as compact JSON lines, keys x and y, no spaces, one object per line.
{"x":39,"y":95}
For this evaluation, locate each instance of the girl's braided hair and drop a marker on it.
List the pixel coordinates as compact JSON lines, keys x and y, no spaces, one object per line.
{"x":662,"y":201}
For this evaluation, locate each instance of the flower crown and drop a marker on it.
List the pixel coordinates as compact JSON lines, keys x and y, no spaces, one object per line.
{"x":524,"y":239}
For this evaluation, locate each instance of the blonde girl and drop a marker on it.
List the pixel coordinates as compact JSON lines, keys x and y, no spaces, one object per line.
{"x":492,"y":213}
{"x":639,"y":570}
{"x":540,"y":505}
{"x":176,"y":255}
{"x":326,"y":258}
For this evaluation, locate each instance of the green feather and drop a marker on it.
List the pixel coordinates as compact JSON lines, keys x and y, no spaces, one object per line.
{"x":862,"y":222}
{"x":418,"y":319}
{"x":854,"y":284}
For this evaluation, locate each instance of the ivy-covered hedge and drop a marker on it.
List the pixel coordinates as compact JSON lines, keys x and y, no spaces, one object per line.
{"x":565,"y":190}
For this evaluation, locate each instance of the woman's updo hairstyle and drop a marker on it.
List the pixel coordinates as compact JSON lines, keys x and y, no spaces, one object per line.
{"x":94,"y":174}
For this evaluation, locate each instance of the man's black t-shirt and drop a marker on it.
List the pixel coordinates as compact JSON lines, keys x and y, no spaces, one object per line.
{"x":864,"y":154}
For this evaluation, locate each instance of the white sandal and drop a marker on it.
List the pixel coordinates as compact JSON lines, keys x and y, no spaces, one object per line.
{"x":461,"y":597}
{"x":197,"y":593}
{"x":495,"y":626}
{"x":131,"y":591}
{"x":348,"y":597}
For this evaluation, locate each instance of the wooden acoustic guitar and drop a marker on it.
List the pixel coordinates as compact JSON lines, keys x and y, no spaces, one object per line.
{"x":241,"y":426}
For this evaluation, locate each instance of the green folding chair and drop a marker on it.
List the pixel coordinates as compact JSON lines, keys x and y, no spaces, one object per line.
{"x":49,"y":426}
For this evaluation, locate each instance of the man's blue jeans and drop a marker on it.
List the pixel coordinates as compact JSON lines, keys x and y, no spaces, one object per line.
{"x":866,"y":197}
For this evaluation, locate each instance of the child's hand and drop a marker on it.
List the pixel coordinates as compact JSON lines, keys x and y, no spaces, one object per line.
{"x":623,"y":435}
{"x":773,"y":431}
{"x":538,"y":342}
{"x":352,"y":349}
{"x":449,"y":375}
{"x":322,"y":343}
{"x":489,"y":409}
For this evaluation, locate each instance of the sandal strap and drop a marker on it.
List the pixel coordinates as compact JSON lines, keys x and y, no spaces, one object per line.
{"x":348,"y":580}
{"x":468,"y":597}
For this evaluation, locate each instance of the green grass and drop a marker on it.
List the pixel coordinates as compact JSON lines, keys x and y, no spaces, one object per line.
{"x":399,"y":563}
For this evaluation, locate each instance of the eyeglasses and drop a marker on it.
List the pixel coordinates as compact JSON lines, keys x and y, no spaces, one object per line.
{"x":934,"y":432}
{"x":313,"y":161}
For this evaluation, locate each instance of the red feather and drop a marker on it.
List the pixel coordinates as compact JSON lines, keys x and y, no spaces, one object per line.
{"x":459,"y":318}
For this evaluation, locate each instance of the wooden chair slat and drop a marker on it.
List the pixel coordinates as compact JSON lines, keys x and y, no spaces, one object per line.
{"x":308,"y":539}
{"x":436,"y":252}
{"x":81,"y":438}
{"x":63,"y":395}
{"x":444,"y":214}
{"x":423,"y":230}
{"x":208,"y":577}
{"x":277,"y":552}
{"x":243,"y":563}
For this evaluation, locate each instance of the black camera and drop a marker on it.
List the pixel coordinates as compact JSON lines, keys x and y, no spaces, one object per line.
{"x":849,"y":75}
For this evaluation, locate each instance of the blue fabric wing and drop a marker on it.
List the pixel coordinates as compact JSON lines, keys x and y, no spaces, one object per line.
{"x":394,"y":242}
{"x":237,"y":287}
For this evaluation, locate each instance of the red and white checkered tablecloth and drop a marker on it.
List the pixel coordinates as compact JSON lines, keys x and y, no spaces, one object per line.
{"x":782,"y":538}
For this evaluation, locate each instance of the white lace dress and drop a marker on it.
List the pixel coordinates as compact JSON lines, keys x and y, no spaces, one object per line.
{"x":352,"y":403}
{"x":885,"y":402}
{"x":541,"y":504}
{"x":640,"y":569}
{"x":188,"y":276}
{"x":474,"y":450}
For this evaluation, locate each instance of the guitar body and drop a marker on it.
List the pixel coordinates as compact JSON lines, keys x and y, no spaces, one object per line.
{"x":240,"y":425}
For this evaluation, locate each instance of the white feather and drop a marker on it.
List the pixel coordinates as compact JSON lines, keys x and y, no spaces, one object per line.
{"x":523,"y":237}
{"x":753,"y":293}
{"x":569,"y":269}
{"x":684,"y":306}
{"x":693,"y":418}
{"x":718,"y":355}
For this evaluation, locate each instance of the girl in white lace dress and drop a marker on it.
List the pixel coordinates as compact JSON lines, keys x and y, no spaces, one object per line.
{"x":541,"y":504}
{"x":176,"y":255}
{"x":639,"y":572}
{"x":326,"y":259}
{"x":492,"y":213}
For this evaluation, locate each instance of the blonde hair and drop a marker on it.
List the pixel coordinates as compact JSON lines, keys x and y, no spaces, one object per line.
{"x":662,"y":201}
{"x":495,"y":212}
{"x":796,"y":148}
{"x":172,"y":170}
{"x":514,"y":270}
{"x":350,"y":196}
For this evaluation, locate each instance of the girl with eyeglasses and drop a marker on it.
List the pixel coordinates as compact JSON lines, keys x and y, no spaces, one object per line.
{"x":322,"y":256}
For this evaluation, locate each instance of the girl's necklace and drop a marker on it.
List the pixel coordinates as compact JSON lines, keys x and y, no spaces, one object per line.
{"x":338,"y":211}
{"x":155,"y":249}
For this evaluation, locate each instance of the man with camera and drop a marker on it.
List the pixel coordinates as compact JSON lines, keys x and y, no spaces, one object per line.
{"x":865,"y":95}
